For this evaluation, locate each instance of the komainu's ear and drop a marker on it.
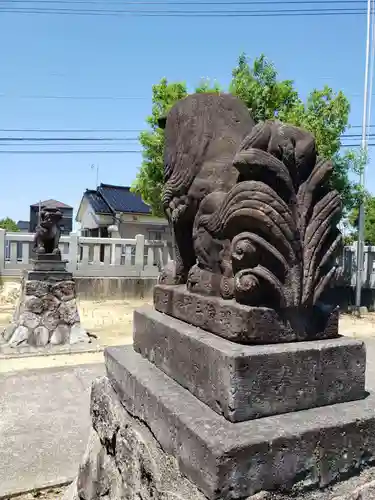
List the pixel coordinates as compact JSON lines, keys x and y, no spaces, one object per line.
{"x":162,"y":122}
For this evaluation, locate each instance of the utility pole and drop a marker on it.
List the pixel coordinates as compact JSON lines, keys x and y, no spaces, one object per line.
{"x":366,"y":112}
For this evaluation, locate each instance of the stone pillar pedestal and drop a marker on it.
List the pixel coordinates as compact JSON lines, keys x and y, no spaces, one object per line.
{"x":185,"y":414}
{"x":46,"y":312}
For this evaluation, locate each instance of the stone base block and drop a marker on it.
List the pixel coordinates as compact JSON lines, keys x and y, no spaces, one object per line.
{"x":245,"y":324}
{"x":225,"y":460}
{"x":49,"y":265}
{"x":46,"y":314}
{"x":51,"y":276}
{"x":244,"y":382}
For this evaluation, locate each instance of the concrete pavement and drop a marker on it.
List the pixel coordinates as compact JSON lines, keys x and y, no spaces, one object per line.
{"x":44,"y":424}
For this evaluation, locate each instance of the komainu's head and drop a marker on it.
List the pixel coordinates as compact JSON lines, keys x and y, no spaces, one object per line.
{"x":50,"y":217}
{"x":200,"y":128}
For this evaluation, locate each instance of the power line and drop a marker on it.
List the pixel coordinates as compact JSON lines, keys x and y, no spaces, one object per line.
{"x":187,"y":14}
{"x":66,"y":151}
{"x":99,"y":151}
{"x":104,"y":139}
{"x":96,"y":98}
{"x":248,"y":2}
{"x":68,"y":130}
{"x":108,"y":130}
{"x":71,"y":139}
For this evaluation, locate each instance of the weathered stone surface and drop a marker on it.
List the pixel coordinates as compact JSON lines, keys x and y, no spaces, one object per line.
{"x":30,"y":320}
{"x":49,"y":265}
{"x":33,"y":304}
{"x":236,"y":322}
{"x":78,"y":334}
{"x":39,"y":337}
{"x":21,"y":334}
{"x":65,"y":290}
{"x":68,"y":312}
{"x":50,"y":320}
{"x":234,"y":460}
{"x":60,"y":335}
{"x":254,"y":218}
{"x":47,"y":232}
{"x":50,"y":302}
{"x":37,"y":288}
{"x":46,"y":313}
{"x":244,"y":382}
{"x":49,"y":276}
{"x":124,"y":460}
{"x":8,"y":332}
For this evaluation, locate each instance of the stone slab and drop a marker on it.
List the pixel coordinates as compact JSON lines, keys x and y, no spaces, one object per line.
{"x":22,"y":351}
{"x":234,"y":321}
{"x":226,"y":460}
{"x":246,"y":382}
{"x":46,"y":256}
{"x":52,"y":276}
{"x":49,"y":265}
{"x":44,"y":425}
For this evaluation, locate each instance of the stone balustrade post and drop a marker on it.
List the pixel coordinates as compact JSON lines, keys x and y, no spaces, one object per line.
{"x":73,"y":253}
{"x":140,"y":251}
{"x":2,"y":249}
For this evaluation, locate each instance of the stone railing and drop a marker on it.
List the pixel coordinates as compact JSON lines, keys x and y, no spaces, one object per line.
{"x":117,"y":257}
{"x":89,"y":257}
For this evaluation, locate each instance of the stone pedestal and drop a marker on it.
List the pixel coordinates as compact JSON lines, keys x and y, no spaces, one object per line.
{"x":189,"y":415}
{"x":46,"y":312}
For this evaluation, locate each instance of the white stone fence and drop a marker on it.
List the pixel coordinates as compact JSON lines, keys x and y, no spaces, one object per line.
{"x":89,"y":257}
{"x":123,"y":258}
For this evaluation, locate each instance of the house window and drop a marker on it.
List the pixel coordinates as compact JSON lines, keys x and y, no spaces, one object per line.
{"x":154,"y":235}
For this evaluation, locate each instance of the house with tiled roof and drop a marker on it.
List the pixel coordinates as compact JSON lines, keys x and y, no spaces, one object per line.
{"x":111,"y":206}
{"x":23,"y":226}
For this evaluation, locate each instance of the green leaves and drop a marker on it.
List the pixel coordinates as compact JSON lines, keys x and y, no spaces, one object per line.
{"x":9,"y":225}
{"x":149,"y":180}
{"x":369,"y":220}
{"x":325,"y":113}
{"x":259,"y":89}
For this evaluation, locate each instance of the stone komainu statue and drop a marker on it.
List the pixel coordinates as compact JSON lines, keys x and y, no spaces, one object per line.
{"x":253,"y":213}
{"x":47,"y":233}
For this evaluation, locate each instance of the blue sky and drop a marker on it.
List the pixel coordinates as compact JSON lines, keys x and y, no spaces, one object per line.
{"x":124,"y":56}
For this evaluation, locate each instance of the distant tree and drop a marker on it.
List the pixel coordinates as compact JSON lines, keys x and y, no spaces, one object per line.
{"x":325,"y":114}
{"x":9,"y":225}
{"x":369,"y":221}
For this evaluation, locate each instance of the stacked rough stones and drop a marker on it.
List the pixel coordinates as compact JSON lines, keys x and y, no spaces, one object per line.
{"x":47,"y":312}
{"x":238,"y":381}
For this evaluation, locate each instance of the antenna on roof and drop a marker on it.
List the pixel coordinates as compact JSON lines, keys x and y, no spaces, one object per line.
{"x":97,"y":174}
{"x":40,"y":208}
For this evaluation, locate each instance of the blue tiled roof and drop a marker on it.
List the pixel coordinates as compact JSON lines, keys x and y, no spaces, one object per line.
{"x":97,"y":202}
{"x":121,"y":199}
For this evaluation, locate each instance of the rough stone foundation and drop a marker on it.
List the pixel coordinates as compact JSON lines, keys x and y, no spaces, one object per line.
{"x":124,"y":461}
{"x":46,"y":313}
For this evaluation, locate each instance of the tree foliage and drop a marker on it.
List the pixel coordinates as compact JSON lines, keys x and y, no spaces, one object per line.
{"x":325,"y":113}
{"x":369,"y":203}
{"x":9,"y":225}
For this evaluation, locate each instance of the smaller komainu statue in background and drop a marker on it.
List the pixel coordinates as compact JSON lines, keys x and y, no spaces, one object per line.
{"x":252,"y":210}
{"x":47,"y":233}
